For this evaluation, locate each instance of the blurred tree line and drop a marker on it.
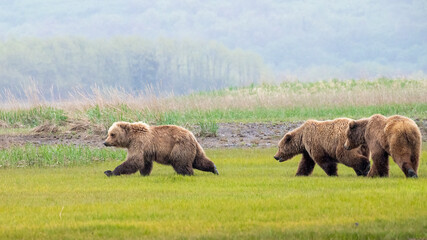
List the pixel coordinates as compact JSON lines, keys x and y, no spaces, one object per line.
{"x":58,"y":65}
{"x":304,"y":40}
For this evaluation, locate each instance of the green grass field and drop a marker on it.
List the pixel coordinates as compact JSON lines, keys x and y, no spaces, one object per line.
{"x":254,"y":197}
{"x":60,"y":191}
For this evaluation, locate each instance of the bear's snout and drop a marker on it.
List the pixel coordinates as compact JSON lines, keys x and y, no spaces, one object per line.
{"x":107,"y":144}
{"x":277,"y":158}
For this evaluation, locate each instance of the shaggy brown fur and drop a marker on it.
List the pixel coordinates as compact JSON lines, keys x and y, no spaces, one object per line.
{"x":322,"y":142}
{"x":170,"y":145}
{"x":397,"y":136}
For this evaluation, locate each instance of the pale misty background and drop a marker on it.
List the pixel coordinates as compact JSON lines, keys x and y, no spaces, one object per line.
{"x":185,"y":46}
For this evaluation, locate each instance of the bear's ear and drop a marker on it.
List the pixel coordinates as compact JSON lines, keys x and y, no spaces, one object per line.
{"x":352,"y":124}
{"x":288,"y":138}
{"x":124,"y":125}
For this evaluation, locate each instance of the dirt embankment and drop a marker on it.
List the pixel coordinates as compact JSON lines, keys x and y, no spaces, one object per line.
{"x":229,"y":135}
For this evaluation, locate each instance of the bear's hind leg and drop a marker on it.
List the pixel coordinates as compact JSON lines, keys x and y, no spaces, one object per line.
{"x":204,"y":164}
{"x":306,"y":165}
{"x":181,"y":159}
{"x":183,"y":169}
{"x":415,"y":159}
{"x":404,"y":162}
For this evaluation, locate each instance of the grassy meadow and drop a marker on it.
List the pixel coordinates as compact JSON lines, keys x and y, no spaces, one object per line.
{"x":60,"y":191}
{"x":254,"y":197}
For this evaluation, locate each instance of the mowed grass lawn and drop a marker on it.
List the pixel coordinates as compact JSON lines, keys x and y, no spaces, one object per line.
{"x":254,"y":197}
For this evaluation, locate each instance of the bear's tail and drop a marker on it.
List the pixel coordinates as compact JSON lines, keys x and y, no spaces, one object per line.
{"x":202,"y":162}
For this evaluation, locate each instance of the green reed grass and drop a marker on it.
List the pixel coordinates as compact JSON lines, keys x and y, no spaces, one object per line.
{"x":254,"y":197}
{"x":56,"y":156}
{"x":208,"y":128}
{"x":34,"y":116}
{"x":208,"y":119}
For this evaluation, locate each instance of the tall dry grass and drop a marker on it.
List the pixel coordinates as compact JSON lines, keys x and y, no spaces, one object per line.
{"x":290,"y":94}
{"x":287,"y":95}
{"x":304,"y":95}
{"x":361,"y":93}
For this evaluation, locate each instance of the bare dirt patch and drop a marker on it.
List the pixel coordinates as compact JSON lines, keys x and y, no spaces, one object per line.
{"x":229,"y":135}
{"x":43,"y":139}
{"x":232,"y":135}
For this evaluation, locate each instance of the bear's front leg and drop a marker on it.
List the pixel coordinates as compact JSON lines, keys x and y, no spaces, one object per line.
{"x":146,"y":170}
{"x":124,"y":168}
{"x":380,"y":165}
{"x":306,"y":165}
{"x":128,"y":167}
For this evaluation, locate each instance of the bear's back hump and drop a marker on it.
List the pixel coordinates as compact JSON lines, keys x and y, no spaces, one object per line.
{"x":173,"y":133}
{"x":331,"y":128}
{"x":326,"y":134}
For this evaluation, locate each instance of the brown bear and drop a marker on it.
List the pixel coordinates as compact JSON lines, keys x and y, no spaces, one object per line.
{"x":322,"y":142}
{"x":170,"y":145}
{"x":397,"y":136}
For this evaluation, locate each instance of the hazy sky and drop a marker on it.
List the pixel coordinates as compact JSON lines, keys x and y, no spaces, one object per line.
{"x":306,"y":39}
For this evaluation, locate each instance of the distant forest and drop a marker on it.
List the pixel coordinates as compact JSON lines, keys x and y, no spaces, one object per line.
{"x":60,"y":65}
{"x":191,"y":45}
